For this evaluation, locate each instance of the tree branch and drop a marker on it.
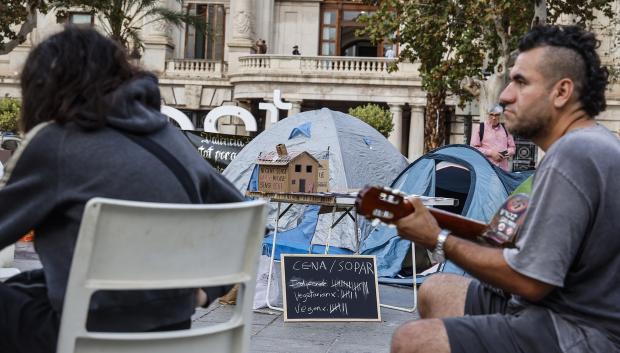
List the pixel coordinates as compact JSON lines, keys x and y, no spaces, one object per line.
{"x":24,"y":30}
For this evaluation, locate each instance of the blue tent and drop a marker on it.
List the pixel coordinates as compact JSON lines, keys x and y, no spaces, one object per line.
{"x":457,"y":171}
{"x":358,"y":155}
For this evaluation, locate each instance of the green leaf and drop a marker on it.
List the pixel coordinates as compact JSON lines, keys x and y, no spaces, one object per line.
{"x":375,"y":116}
{"x":9,"y":114}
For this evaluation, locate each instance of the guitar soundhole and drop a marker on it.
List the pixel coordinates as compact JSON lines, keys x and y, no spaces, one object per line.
{"x":382,"y":214}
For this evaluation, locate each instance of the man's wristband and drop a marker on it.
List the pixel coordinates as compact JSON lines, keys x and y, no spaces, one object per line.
{"x":438,"y":253}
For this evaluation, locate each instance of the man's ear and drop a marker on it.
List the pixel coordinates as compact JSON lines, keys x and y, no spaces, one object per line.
{"x":563,"y":92}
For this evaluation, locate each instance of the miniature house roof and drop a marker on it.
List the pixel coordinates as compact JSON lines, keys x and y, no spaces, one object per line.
{"x":273,"y":158}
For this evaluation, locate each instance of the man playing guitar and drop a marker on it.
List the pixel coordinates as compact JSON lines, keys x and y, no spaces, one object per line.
{"x":557,"y":290}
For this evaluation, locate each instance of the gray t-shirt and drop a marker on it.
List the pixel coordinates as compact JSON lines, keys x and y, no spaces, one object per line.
{"x":571,"y":237}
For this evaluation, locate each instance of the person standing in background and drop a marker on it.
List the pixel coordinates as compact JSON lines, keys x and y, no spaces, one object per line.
{"x":261,"y":46}
{"x":493,"y":140}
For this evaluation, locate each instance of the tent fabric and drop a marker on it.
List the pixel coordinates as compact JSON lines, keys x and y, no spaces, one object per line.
{"x":357,"y":153}
{"x":489,"y":186}
{"x":303,"y":129}
{"x":297,"y":240}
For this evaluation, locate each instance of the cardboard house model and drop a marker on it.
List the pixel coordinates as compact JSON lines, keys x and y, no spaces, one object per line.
{"x":285,"y":172}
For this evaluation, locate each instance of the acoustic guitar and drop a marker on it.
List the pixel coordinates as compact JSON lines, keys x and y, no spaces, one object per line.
{"x":388,"y":206}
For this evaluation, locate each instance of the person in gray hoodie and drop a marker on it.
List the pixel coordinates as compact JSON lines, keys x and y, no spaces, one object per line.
{"x":86,"y":115}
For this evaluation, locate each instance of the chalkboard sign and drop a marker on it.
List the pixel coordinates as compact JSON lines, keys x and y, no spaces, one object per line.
{"x":330,"y":288}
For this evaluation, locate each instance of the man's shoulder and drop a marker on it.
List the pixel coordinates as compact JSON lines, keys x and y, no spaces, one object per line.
{"x":587,"y":140}
{"x":583,"y":151}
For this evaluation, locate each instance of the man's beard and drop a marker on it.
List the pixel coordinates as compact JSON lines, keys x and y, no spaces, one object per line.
{"x":530,"y":128}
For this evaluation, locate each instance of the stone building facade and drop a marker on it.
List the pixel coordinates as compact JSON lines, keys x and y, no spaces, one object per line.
{"x":336,"y":68}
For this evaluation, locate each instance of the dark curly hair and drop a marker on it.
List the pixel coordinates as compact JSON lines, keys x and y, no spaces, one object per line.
{"x":67,"y":76}
{"x":571,"y":54}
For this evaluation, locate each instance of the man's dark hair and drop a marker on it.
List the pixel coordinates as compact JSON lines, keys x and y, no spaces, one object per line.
{"x":67,"y":77}
{"x":571,"y":53}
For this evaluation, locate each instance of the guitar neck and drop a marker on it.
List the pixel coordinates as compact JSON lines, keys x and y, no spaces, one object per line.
{"x":460,"y":226}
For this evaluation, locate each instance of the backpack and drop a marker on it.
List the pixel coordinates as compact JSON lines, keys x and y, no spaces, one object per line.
{"x":481,"y":130}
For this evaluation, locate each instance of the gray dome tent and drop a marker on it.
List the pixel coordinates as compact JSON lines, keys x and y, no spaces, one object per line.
{"x":358,"y":155}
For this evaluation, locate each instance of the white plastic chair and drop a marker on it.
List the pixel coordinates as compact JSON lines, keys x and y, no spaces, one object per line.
{"x":138,"y":245}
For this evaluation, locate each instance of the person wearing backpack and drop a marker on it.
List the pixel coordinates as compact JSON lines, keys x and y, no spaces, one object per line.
{"x":493,"y":140}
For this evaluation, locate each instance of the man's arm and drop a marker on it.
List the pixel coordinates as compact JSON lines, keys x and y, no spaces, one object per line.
{"x":485,"y":263}
{"x":28,"y":189}
{"x":488,"y":265}
{"x":511,"y":145}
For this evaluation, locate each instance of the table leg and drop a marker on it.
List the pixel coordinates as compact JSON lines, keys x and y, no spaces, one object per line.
{"x":272,"y":260}
{"x":358,"y":241}
{"x":329,"y":232}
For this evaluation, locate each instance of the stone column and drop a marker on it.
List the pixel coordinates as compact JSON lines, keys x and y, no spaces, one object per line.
{"x":396,"y":136}
{"x":416,"y":133}
{"x":242,"y":23}
{"x":158,"y":44}
{"x":296,"y":107}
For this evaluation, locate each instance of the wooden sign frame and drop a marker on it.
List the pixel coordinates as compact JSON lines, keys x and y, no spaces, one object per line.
{"x":331,"y":261}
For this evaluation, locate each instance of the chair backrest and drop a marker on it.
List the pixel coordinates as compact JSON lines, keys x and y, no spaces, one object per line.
{"x":124,"y":245}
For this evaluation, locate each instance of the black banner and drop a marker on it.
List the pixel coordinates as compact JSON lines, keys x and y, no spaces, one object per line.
{"x":330,"y":288}
{"x":218,"y":149}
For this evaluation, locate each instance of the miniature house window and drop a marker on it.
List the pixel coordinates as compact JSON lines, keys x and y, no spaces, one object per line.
{"x":297,"y":168}
{"x":308,"y":169}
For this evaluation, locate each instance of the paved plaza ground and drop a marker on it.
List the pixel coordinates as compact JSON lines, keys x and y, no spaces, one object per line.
{"x":271,"y":334}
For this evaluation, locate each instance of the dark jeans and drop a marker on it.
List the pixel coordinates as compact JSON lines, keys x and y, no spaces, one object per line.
{"x":28,"y":323}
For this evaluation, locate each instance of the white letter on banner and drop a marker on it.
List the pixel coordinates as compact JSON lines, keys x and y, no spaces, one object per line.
{"x":179,"y":117}
{"x":246,"y":117}
{"x":272,"y":110}
{"x":277,"y":100}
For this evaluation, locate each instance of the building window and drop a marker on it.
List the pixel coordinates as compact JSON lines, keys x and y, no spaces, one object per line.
{"x":339,"y":23}
{"x":308,"y":169}
{"x":209,"y":43}
{"x":329,"y":31}
{"x":297,"y":168}
{"x":293,"y":181}
{"x":81,"y":18}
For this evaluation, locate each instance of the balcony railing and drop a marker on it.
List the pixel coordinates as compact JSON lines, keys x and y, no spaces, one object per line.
{"x":343,"y":67}
{"x":321,"y":64}
{"x":195,"y":68}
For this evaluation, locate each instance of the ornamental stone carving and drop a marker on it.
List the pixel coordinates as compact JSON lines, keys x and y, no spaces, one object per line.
{"x":243,"y":24}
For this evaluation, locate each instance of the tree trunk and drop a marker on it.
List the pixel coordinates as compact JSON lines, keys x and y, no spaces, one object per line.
{"x":492,"y":87}
{"x":540,"y":13}
{"x":434,"y":121}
